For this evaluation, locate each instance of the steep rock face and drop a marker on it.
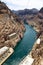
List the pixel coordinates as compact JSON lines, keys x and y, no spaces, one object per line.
{"x":9,"y":24}
{"x":41,"y":10}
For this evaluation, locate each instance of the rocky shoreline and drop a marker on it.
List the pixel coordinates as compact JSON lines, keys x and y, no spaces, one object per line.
{"x":37,"y":51}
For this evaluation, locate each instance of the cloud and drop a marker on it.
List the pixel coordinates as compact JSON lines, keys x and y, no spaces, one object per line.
{"x":35,"y":4}
{"x":16,"y":4}
{"x":22,"y":4}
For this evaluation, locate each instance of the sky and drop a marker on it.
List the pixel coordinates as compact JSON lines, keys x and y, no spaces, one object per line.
{"x":23,"y":4}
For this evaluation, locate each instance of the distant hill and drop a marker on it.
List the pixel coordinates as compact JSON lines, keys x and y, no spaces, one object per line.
{"x":26,"y":11}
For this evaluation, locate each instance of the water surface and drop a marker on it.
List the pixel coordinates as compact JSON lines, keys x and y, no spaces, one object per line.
{"x":23,"y":47}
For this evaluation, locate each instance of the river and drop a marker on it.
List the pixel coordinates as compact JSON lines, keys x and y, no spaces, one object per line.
{"x":23,"y":47}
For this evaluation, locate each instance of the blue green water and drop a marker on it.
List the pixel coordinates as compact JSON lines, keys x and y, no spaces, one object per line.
{"x":23,"y":47}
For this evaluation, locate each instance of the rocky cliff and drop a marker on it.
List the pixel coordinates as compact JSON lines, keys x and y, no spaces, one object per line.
{"x":37,"y":23}
{"x":37,"y":53}
{"x":9,"y":24}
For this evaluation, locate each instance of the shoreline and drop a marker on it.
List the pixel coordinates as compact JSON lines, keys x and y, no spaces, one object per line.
{"x":25,"y":60}
{"x":37,"y":60}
